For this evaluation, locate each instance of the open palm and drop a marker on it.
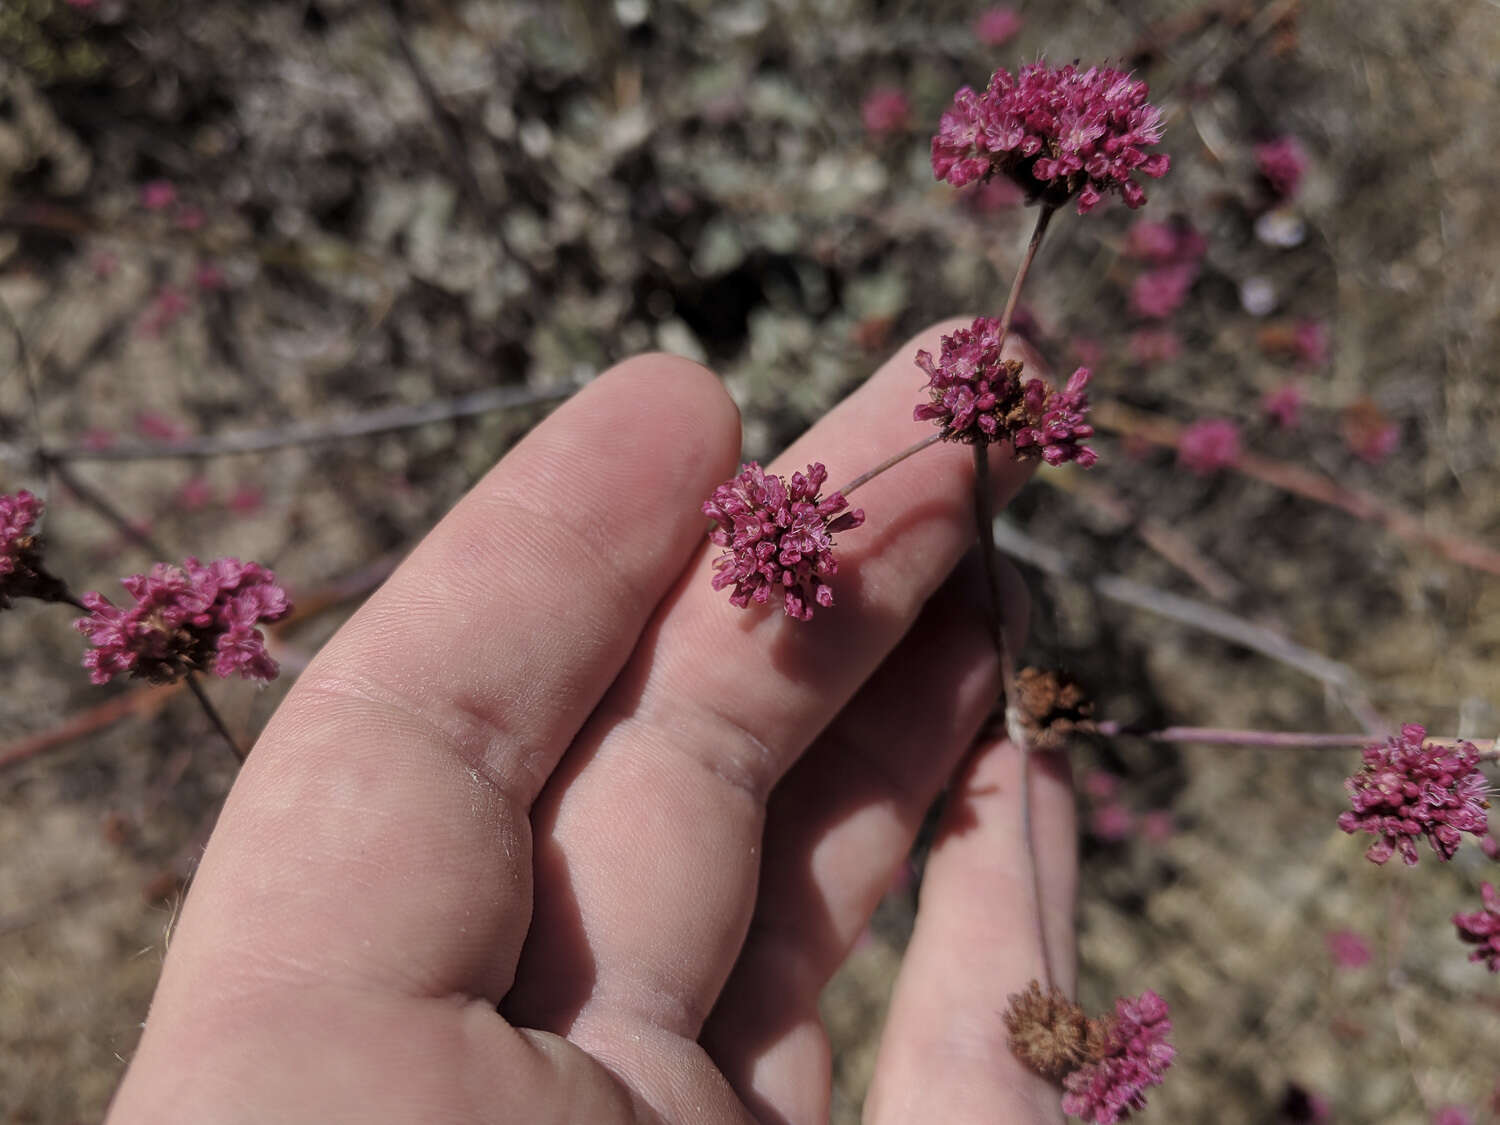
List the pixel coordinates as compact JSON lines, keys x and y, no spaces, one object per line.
{"x":549,"y":832}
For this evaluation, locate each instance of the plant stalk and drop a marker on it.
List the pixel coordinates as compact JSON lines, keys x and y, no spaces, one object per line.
{"x":215,"y":718}
{"x":890,"y":463}
{"x":984,"y":518}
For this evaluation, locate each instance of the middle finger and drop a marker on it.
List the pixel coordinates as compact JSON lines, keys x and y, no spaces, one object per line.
{"x":648,"y":836}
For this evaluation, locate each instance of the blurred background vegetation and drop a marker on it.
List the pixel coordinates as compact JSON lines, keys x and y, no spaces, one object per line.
{"x":227,"y":228}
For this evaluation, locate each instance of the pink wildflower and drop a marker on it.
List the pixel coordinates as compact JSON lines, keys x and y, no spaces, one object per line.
{"x":1310,"y":343}
{"x":979,"y":398}
{"x":1283,"y":405}
{"x":1112,"y":823}
{"x":158,"y":195}
{"x":1110,"y":1089}
{"x":1208,"y":446}
{"x":1452,"y":1115}
{"x":1282,"y":162}
{"x":779,"y":537}
{"x":1348,"y":949}
{"x":183,"y":620}
{"x":997,"y":26}
{"x":21,"y":573}
{"x":1164,"y":243}
{"x":1490,"y":846}
{"x":1407,"y":790}
{"x":1056,"y":131}
{"x":1158,"y":293}
{"x":1482,"y":928}
{"x":885,"y":110}
{"x":1150,"y":346}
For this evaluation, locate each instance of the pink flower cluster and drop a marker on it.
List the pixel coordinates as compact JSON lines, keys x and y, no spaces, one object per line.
{"x":1173,"y":251}
{"x":997,"y":26}
{"x":1283,"y":405}
{"x":21,"y":573}
{"x":1056,"y":131}
{"x":1158,"y":293}
{"x":1408,"y":790}
{"x":1110,"y":1089}
{"x":779,"y":537}
{"x":1208,"y":445}
{"x":1165,"y":243}
{"x":979,"y":398}
{"x":19,"y":512}
{"x":1482,"y":928}
{"x":185,"y":619}
{"x":885,"y":110}
{"x":1283,"y":162}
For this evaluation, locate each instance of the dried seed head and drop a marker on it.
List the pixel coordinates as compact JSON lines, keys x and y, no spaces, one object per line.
{"x":1051,"y":706}
{"x":1051,"y":1034}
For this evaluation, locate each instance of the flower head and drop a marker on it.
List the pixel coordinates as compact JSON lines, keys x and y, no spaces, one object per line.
{"x":1408,"y":790}
{"x":1158,"y":293}
{"x":19,"y":512}
{"x":1164,"y":243}
{"x":979,"y":398}
{"x":1282,"y":161}
{"x":1283,"y":405}
{"x":1348,"y":949}
{"x":1050,"y":1033}
{"x":1137,"y":1056}
{"x":779,"y":537}
{"x":997,"y":26}
{"x":1482,"y":928}
{"x":885,"y":110}
{"x":1056,"y":131}
{"x":158,"y":195}
{"x":1208,"y":445}
{"x":185,"y":619}
{"x":21,"y":573}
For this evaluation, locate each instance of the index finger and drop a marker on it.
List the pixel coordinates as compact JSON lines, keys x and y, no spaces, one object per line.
{"x":390,"y":792}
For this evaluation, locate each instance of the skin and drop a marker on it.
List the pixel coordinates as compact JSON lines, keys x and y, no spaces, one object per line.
{"x":550,"y":832}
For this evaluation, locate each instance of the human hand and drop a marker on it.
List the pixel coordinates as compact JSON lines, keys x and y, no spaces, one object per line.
{"x":551,"y":832}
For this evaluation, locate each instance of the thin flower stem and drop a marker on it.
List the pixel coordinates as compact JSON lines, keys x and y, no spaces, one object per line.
{"x":1043,"y":218}
{"x":984,"y":518}
{"x":889,"y":463}
{"x":214,"y":717}
{"x":1268,"y":739}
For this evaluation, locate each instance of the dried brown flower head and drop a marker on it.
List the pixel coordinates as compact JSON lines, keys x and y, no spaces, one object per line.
{"x":1051,"y":705}
{"x":1051,"y":1034}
